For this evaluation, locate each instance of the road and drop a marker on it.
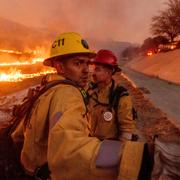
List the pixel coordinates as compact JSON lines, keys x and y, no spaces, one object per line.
{"x":164,"y":95}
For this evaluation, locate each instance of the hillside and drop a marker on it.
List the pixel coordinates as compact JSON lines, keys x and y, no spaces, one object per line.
{"x":18,"y":37}
{"x":165,"y":66}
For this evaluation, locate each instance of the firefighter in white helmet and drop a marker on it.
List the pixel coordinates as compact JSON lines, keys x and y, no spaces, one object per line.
{"x":58,"y":131}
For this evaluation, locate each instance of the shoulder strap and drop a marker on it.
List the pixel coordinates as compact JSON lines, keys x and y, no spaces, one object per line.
{"x":119,"y":92}
{"x":69,"y":82}
{"x":28,"y":104}
{"x":46,"y":87}
{"x":115,"y":96}
{"x":56,"y":82}
{"x":93,"y":86}
{"x":98,"y":102}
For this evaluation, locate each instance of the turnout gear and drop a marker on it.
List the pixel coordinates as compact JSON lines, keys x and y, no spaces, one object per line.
{"x":135,"y":162}
{"x":113,"y":99}
{"x":67,"y":45}
{"x":62,"y":139}
{"x":57,"y":130}
{"x":11,"y":144}
{"x":63,"y":118}
{"x":17,"y":134}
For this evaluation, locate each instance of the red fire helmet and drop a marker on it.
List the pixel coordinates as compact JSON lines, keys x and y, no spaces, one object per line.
{"x":105,"y":57}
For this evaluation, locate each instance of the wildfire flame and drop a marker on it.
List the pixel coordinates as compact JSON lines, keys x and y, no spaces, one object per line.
{"x":33,"y":60}
{"x":10,"y":51}
{"x":17,"y":63}
{"x":13,"y":74}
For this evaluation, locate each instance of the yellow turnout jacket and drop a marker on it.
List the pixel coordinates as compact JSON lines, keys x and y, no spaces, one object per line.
{"x":120,"y":126}
{"x":58,"y":133}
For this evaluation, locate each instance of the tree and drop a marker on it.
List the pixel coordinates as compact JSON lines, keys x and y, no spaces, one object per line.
{"x":160,"y":40}
{"x":174,"y":6}
{"x":148,"y":44}
{"x":153,"y":43}
{"x":168,"y":21}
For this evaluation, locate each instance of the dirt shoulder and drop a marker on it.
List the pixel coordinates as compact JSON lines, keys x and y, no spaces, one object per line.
{"x":151,"y":120}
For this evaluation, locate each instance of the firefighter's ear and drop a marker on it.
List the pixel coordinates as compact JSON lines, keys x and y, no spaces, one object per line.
{"x":59,"y":67}
{"x":62,"y":68}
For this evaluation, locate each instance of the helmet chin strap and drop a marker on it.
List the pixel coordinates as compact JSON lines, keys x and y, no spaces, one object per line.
{"x":114,"y":71}
{"x":101,"y":84}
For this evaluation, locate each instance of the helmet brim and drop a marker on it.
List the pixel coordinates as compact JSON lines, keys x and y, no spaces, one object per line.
{"x":49,"y":61}
{"x":118,"y":69}
{"x":115,"y":67}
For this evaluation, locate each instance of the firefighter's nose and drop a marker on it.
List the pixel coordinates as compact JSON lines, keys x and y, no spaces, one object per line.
{"x":85,"y":68}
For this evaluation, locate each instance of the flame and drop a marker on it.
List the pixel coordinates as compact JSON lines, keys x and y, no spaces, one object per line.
{"x":14,"y":75}
{"x":149,"y":53}
{"x":33,"y":60}
{"x":18,"y":63}
{"x":37,"y":51}
{"x":10,"y":51}
{"x":172,"y":47}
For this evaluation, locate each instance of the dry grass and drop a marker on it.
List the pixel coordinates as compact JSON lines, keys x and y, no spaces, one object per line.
{"x":151,"y":120}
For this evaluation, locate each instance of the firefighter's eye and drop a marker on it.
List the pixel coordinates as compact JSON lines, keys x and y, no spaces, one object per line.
{"x":78,"y":63}
{"x":97,"y":69}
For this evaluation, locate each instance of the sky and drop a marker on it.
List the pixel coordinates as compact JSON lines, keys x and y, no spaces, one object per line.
{"x":118,"y":20}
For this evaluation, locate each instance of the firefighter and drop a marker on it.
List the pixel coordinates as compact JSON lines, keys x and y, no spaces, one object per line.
{"x":57,"y":134}
{"x":108,"y":121}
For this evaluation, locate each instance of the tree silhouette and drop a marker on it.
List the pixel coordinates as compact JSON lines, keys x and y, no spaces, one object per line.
{"x":168,"y":21}
{"x":153,"y":43}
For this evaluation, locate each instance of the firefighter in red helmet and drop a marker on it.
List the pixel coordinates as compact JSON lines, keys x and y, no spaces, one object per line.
{"x":110,"y":103}
{"x":107,"y":58}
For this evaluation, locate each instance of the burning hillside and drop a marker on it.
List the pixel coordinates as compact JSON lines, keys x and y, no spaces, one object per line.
{"x":22,"y":51}
{"x":26,"y":65}
{"x":14,"y":75}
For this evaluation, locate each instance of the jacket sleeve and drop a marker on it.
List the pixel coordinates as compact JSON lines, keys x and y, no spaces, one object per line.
{"x":125,"y":118}
{"x":71,"y":152}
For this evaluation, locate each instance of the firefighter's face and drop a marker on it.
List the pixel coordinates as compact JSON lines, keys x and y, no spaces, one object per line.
{"x":101,"y":73}
{"x":76,"y":69}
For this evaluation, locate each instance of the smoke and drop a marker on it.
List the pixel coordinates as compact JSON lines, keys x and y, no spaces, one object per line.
{"x":117,"y":20}
{"x":15,"y":36}
{"x":103,"y":19}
